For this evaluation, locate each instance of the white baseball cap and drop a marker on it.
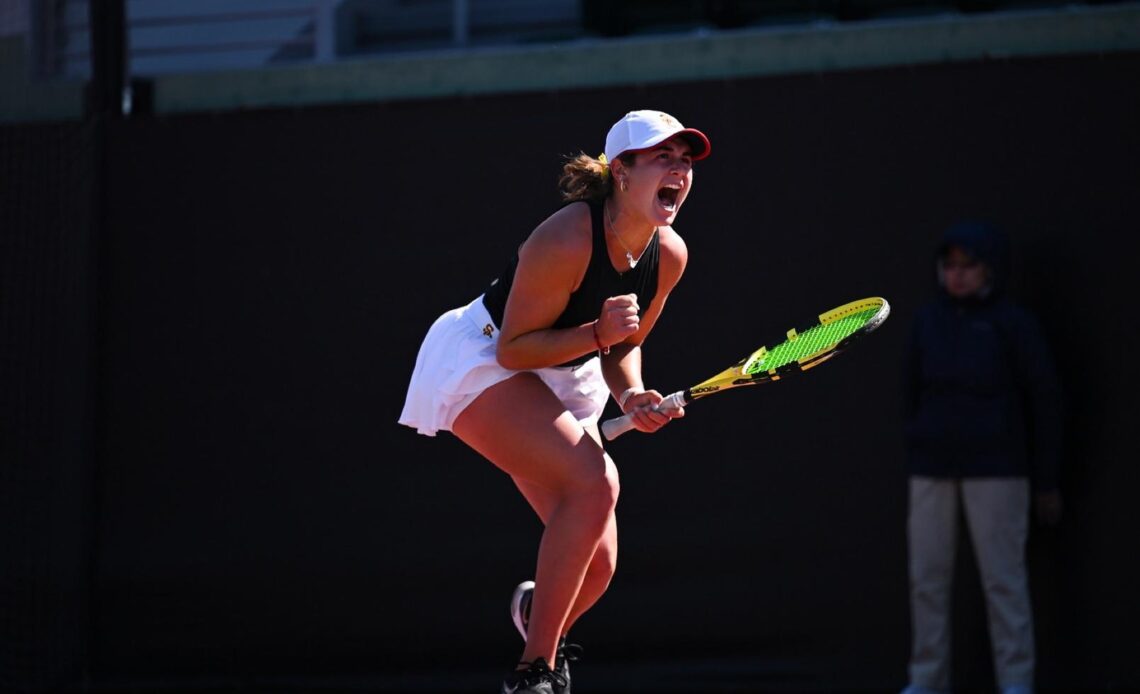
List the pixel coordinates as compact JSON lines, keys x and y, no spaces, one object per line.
{"x":639,"y":130}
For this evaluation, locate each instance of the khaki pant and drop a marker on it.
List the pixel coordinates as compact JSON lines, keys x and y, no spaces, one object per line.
{"x":997,"y":515}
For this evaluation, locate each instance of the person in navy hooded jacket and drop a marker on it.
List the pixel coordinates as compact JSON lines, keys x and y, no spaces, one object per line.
{"x":983,"y":430}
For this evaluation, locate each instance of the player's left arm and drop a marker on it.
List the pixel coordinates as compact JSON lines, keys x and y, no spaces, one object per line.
{"x":622,"y":366}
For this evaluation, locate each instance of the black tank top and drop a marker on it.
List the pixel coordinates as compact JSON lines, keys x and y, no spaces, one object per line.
{"x":601,"y":282}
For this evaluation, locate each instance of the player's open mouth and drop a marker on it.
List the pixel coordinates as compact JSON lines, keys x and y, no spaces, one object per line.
{"x":667,"y":197}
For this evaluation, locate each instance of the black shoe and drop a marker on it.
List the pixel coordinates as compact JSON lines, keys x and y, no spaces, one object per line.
{"x":566,"y":653}
{"x":537,"y":678}
{"x":520,"y":615}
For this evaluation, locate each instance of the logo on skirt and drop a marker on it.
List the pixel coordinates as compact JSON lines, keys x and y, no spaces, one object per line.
{"x":488,"y":330}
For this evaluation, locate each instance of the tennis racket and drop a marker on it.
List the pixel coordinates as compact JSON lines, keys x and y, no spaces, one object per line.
{"x":800,"y":350}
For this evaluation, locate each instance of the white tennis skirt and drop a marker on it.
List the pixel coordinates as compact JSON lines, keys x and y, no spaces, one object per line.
{"x":457,"y":362}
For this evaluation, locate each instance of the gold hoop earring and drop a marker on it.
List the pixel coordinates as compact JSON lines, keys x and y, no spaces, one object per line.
{"x":624,"y":185}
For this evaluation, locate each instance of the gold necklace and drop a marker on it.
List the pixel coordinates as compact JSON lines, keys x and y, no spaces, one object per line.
{"x":628,"y":253}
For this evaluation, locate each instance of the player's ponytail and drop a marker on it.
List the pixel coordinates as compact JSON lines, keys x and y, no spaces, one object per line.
{"x":586,"y":178}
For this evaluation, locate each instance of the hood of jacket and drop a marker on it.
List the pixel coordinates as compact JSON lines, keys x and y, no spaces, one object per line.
{"x":982,"y":241}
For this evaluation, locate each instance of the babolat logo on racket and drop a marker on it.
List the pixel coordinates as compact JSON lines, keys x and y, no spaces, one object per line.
{"x":705,"y":390}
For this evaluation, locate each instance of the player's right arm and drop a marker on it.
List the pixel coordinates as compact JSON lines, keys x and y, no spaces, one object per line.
{"x":552,"y":263}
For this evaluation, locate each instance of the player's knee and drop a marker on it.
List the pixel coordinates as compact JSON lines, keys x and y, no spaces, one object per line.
{"x":602,"y":496}
{"x":604,"y":564}
{"x":610,"y":486}
{"x":596,"y":493}
{"x":613,"y":483}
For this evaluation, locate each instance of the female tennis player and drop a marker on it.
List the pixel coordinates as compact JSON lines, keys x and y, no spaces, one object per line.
{"x":522,"y":373}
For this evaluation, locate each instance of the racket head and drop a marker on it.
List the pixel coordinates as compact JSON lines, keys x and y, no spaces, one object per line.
{"x":801,"y":349}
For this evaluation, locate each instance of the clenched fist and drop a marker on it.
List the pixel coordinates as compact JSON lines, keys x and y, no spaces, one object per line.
{"x":618,"y":319}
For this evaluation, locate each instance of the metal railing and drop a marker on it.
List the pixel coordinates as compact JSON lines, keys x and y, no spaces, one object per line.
{"x":168,"y":36}
{"x":181,"y":35}
{"x":172,"y":36}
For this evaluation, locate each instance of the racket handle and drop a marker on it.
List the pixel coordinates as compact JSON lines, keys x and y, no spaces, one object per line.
{"x":613,"y":428}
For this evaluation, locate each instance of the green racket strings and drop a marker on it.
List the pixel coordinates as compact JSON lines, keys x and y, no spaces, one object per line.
{"x":817,"y":339}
